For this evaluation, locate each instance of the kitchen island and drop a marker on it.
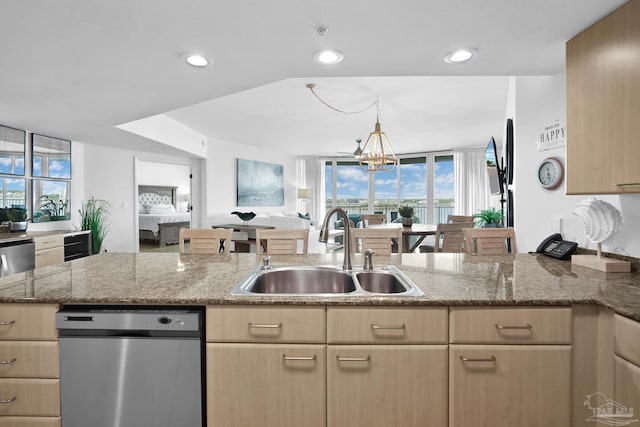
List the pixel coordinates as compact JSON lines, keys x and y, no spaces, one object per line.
{"x":446,"y":279}
{"x":508,"y":340}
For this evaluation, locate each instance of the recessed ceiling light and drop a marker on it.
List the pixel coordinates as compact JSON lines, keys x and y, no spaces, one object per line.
{"x":196,"y":60}
{"x":328,"y":57}
{"x":457,"y":56}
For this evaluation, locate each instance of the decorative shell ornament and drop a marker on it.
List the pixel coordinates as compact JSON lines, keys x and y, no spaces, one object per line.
{"x":602,"y":221}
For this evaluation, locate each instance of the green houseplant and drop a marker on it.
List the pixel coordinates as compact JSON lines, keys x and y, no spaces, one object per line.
{"x":16,"y":216}
{"x":94,"y":216}
{"x":489,"y":218}
{"x":406,"y":212}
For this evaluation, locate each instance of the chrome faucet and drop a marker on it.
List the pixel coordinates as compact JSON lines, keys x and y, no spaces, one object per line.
{"x":324,"y":235}
{"x":368,"y":260}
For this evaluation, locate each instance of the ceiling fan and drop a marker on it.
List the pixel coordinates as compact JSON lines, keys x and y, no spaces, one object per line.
{"x":357,"y":153}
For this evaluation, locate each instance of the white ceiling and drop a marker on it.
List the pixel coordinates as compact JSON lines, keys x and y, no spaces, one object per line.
{"x":76,"y":70}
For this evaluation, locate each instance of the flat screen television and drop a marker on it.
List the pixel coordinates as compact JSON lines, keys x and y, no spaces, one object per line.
{"x":509,"y":152}
{"x":493,"y":168}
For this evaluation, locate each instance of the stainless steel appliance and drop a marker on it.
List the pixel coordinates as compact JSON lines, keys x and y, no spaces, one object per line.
{"x":17,"y":257}
{"x":131,"y":367}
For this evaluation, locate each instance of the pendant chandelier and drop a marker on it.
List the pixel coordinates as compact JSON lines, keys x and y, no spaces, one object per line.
{"x":377,"y":154}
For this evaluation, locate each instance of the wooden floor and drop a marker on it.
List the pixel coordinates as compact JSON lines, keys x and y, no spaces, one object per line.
{"x":147,"y":246}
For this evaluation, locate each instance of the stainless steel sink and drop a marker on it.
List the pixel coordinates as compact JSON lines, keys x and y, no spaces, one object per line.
{"x":302,"y":281}
{"x":380,"y":282}
{"x":326,"y":281}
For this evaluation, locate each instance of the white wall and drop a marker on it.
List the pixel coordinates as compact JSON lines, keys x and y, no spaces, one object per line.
{"x":540,"y":100}
{"x":221,"y":177}
{"x":110,"y":175}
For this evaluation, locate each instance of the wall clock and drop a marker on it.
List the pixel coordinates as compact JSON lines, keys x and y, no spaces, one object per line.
{"x":550,"y":173}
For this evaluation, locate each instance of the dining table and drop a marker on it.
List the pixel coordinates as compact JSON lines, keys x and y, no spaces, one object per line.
{"x":419,"y":230}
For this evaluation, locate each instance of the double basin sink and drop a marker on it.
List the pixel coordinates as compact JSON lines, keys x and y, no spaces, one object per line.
{"x":326,"y":281}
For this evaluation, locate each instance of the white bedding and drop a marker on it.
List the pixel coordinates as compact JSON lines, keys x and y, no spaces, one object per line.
{"x":151,"y":221}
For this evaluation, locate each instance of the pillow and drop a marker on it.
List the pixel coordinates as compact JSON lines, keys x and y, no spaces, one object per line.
{"x":304,"y":216}
{"x":160,"y":209}
{"x":142,"y":208}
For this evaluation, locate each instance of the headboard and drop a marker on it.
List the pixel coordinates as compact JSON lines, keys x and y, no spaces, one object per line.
{"x":156,"y":194}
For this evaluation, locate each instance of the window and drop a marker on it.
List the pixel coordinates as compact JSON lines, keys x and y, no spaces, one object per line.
{"x":50,"y":158}
{"x":425,"y":182}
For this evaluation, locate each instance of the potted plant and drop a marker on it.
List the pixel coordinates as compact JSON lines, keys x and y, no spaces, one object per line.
{"x":94,"y":217}
{"x":17,"y":218}
{"x":489,"y":218}
{"x":52,"y":209}
{"x":406,"y":212}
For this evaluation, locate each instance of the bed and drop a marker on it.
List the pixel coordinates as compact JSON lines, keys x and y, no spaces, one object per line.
{"x":158,"y":219}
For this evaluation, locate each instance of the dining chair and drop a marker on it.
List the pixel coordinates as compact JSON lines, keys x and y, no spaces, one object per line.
{"x":371,"y":219}
{"x":205,"y":240}
{"x":459,"y":218}
{"x":282,"y":242}
{"x":448,"y":238}
{"x":490,"y":241}
{"x":381,"y":240}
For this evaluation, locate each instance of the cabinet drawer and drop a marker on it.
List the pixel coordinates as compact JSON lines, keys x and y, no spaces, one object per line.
{"x":627,"y":338}
{"x":383,"y":325}
{"x":510,"y":325}
{"x":28,"y":322}
{"x":30,"y":422}
{"x":266,"y":324}
{"x":46,"y":257}
{"x":29,"y":359}
{"x":49,"y":242}
{"x":30,"y":397}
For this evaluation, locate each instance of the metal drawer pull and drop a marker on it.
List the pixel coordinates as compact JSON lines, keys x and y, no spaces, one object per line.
{"x":13,"y":399}
{"x":285,"y":357}
{"x":627,"y":183}
{"x":527,"y":326}
{"x":481,"y":359}
{"x":8,"y":362}
{"x":7,"y":323}
{"x":353,"y":359}
{"x":373,"y":326}
{"x":265,"y":326}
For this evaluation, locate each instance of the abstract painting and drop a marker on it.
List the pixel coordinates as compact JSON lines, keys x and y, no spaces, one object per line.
{"x":259,"y":183}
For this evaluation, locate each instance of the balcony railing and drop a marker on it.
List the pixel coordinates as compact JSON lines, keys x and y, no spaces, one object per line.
{"x":440,"y":215}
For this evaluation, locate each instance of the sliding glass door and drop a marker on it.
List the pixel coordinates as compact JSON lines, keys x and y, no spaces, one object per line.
{"x":424,"y":182}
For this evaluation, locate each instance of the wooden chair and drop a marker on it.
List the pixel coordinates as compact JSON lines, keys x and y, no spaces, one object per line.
{"x":282,"y":242}
{"x":459,"y":218}
{"x":452,"y":238}
{"x":489,"y":241}
{"x":205,"y":240}
{"x":371,"y":219}
{"x":381,"y":240}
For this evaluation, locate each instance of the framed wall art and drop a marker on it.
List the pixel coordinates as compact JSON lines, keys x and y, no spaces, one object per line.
{"x":259,"y":183}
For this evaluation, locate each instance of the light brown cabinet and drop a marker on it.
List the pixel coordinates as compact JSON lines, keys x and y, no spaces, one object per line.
{"x":603,"y":105}
{"x":49,"y":250}
{"x":626,"y":379}
{"x":262,"y":369}
{"x":509,"y":366}
{"x":392,"y":371}
{"x":29,"y":368}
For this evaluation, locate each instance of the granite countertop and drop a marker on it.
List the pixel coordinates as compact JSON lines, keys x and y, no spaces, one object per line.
{"x":18,"y":236}
{"x":446,"y":279}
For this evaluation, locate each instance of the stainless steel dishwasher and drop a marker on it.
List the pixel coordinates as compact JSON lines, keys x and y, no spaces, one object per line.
{"x":131,"y":367}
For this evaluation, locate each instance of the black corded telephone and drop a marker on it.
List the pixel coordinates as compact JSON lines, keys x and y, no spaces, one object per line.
{"x":555,"y":247}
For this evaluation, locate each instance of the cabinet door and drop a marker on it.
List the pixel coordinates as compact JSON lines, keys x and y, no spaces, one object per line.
{"x":266,"y":385}
{"x":509,"y":385}
{"x":603,"y":104}
{"x":626,"y":387}
{"x":47,"y":257}
{"x":377,"y":385}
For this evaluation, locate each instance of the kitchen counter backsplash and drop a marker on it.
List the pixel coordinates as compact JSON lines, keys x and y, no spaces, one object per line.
{"x":446,"y":279}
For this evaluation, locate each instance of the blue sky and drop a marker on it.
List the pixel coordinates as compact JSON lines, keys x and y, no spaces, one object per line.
{"x":352,"y":182}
